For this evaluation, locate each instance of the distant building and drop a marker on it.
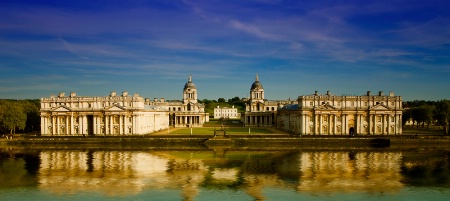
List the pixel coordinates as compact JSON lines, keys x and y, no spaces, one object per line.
{"x":328,"y":114}
{"x":259,"y":111}
{"x":109,"y":115}
{"x":226,"y":112}
{"x":186,"y":113}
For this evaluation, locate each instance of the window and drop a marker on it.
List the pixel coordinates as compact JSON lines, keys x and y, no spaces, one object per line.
{"x":365,"y":103}
{"x":378,"y":119}
{"x":393,"y":103}
{"x":339,"y":104}
{"x":311,"y":103}
{"x":392,"y":119}
{"x":352,"y":103}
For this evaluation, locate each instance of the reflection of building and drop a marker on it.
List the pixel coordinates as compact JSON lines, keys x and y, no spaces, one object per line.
{"x":342,"y":115}
{"x":186,"y":113}
{"x":350,"y":172}
{"x":110,"y":115}
{"x":109,"y":172}
{"x":226,"y":112}
{"x":130,"y":172}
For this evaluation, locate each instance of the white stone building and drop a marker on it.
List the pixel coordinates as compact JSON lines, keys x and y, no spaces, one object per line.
{"x":186,"y":113}
{"x":226,"y":112}
{"x":259,"y":111}
{"x":110,"y":115}
{"x":328,"y":114}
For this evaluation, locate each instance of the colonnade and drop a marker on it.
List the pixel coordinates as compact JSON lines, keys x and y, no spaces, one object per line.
{"x":345,"y":123}
{"x":263,"y":120}
{"x":188,"y":120}
{"x":82,"y":124}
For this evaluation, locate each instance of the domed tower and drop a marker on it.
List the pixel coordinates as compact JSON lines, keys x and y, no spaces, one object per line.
{"x":190,"y":92}
{"x":257,"y":91}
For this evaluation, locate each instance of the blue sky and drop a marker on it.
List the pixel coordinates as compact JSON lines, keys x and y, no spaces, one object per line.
{"x":296,"y":47}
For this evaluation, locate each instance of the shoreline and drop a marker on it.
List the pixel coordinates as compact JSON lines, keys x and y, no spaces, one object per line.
{"x":276,"y":141}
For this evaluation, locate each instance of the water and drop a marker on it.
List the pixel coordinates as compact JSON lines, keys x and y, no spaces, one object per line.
{"x":223,"y":174}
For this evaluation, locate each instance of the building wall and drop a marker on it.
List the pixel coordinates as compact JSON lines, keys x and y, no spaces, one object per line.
{"x":231,"y":113}
{"x":343,"y":115}
{"x":110,"y":115}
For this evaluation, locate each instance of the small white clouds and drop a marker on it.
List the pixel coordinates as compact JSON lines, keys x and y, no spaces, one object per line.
{"x":253,"y":30}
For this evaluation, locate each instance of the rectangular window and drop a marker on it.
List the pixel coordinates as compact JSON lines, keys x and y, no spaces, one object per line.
{"x":392,"y":119}
{"x":365,"y":104}
{"x":378,"y":119}
{"x":311,"y":103}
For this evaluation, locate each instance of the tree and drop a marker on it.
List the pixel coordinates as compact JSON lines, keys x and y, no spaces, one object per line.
{"x":234,"y":100}
{"x":406,"y":116}
{"x":221,"y":100}
{"x":441,"y":114}
{"x":13,"y":116}
{"x":31,"y":109}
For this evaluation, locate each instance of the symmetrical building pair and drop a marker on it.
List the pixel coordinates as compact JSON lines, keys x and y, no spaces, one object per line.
{"x":314,"y":114}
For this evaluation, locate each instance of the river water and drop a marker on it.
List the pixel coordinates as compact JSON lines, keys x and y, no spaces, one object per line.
{"x":224,"y":174}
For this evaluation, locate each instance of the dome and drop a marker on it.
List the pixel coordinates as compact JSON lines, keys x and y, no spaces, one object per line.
{"x":256,"y":84}
{"x":189,"y":84}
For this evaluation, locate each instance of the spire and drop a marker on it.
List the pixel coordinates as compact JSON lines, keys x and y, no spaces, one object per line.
{"x":257,"y":79}
{"x":190,"y":78}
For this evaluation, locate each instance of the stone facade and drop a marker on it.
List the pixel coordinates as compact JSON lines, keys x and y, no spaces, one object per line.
{"x":259,"y":111}
{"x":226,"y":112}
{"x":186,"y":113}
{"x":109,"y":115}
{"x":328,"y":114}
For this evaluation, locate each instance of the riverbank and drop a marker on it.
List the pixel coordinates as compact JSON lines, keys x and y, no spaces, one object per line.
{"x":281,"y":141}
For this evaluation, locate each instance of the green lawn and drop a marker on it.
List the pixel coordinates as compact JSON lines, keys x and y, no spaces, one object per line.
{"x":230,"y":131}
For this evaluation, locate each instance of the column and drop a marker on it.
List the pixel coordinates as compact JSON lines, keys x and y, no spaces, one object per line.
{"x":388,"y":124}
{"x":329,"y":124}
{"x":106,"y":125}
{"x":320,"y":124}
{"x":369,"y":124}
{"x":335,"y":126}
{"x":85,"y":124}
{"x":71,"y":124}
{"x":345,"y":125}
{"x":120,"y":125}
{"x":66,"y":128}
{"x":111,"y":122}
{"x":58,"y":131}
{"x":125,"y":124}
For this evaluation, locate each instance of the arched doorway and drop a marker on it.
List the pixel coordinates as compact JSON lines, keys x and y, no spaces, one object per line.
{"x":351,"y":131}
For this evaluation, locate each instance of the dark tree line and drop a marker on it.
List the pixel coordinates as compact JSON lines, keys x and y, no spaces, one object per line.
{"x":424,"y":113}
{"x":19,"y":116}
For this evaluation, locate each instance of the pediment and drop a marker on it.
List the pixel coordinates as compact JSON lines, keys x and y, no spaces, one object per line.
{"x":379,"y":107}
{"x":325,"y":107}
{"x":62,"y":108}
{"x":115,"y":108}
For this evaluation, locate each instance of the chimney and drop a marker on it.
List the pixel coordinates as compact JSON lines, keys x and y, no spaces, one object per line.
{"x":61,"y":94}
{"x":368,"y":93}
{"x":380,"y":93}
{"x":391,"y":93}
{"x":73,"y":94}
{"x":113,"y":94}
{"x":328,"y":93}
{"x":315,"y":93}
{"x":124,"y":93}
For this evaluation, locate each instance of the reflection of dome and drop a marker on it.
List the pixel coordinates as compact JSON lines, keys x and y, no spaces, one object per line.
{"x":189,"y":84}
{"x":256,"y":84}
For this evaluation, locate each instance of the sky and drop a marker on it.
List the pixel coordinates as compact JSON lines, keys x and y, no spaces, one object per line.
{"x":347,"y":47}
